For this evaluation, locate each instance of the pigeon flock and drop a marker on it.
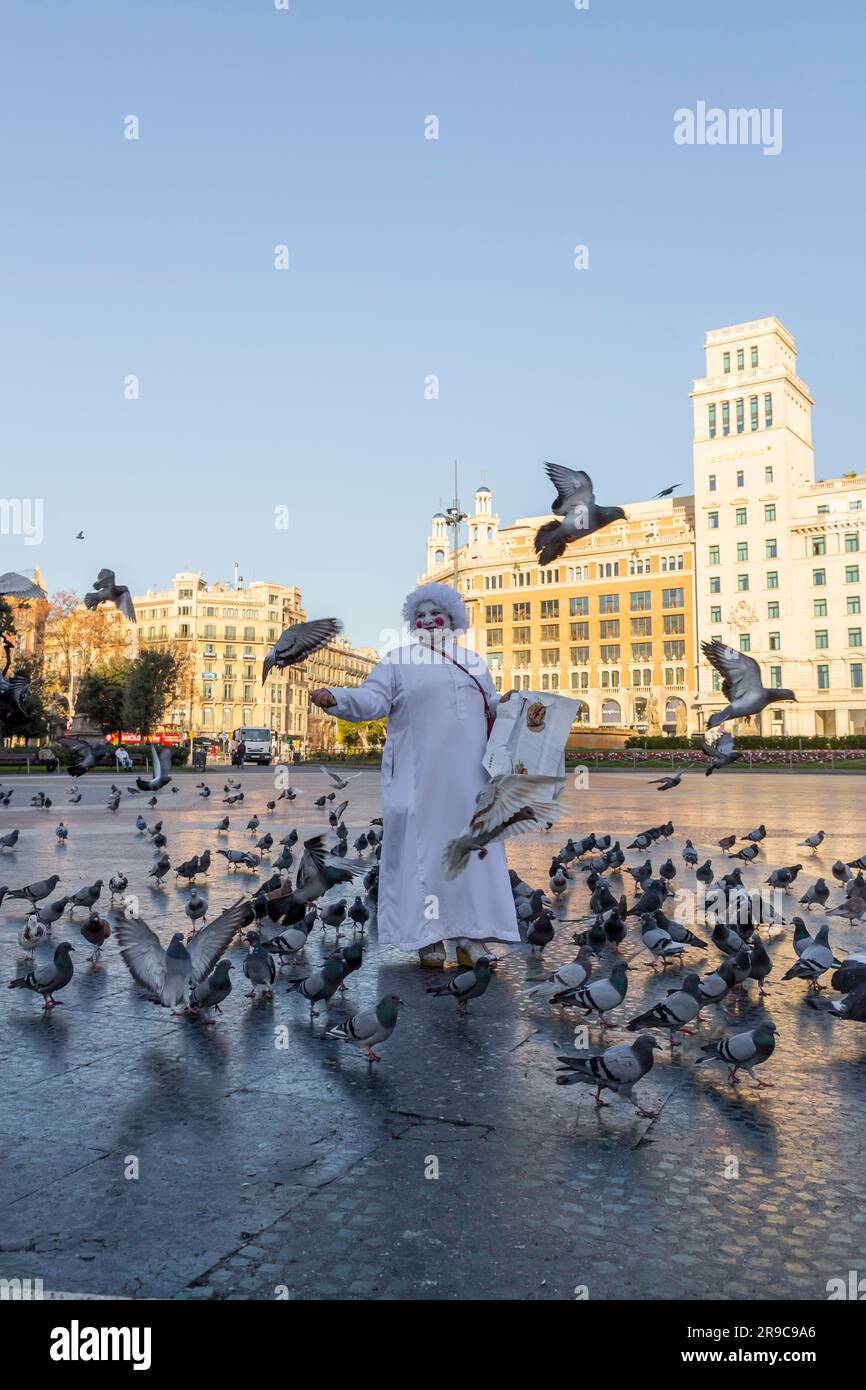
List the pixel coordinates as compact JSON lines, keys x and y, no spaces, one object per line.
{"x":634,"y":907}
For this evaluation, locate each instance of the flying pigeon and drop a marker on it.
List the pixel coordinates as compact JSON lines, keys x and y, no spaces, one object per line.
{"x":617,"y":1069}
{"x":338,"y":781}
{"x":107,"y":591}
{"x":743,"y":1050}
{"x":510,"y":804}
{"x":668,"y":491}
{"x":581,"y":515}
{"x":49,"y":978}
{"x":664,"y":784}
{"x":721,"y":753}
{"x":741,"y":684}
{"x":298,"y":642}
{"x":166,"y":973}
{"x":370,"y":1027}
{"x":18,"y":586}
{"x":161,"y":763}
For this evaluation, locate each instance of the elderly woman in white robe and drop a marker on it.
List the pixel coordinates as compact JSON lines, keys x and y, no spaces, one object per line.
{"x":438,"y":698}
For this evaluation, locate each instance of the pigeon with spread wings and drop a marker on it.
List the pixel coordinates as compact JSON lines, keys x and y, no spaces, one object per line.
{"x":167,"y":972}
{"x":161,"y":762}
{"x":18,"y":586}
{"x":508,"y":805}
{"x":741,"y":684}
{"x":298,"y":642}
{"x":106,"y":590}
{"x":581,"y":515}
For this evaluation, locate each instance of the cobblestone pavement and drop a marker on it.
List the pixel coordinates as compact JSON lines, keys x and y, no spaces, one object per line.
{"x":301,"y":1172}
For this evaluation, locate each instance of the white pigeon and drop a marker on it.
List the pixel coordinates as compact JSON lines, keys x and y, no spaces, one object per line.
{"x":510,"y":804}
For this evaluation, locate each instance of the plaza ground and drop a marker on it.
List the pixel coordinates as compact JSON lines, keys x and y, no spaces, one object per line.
{"x":300,"y":1171}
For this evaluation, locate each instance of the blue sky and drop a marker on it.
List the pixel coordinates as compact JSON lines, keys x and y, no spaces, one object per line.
{"x":408,"y":257}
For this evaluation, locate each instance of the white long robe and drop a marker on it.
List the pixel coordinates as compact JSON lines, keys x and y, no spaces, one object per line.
{"x":431,"y":775}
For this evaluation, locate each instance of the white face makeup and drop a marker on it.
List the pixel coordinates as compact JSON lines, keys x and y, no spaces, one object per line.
{"x":430,"y":618}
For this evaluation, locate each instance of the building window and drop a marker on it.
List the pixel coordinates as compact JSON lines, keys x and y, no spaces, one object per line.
{"x":741,"y":478}
{"x":520,"y":611}
{"x":674,"y":623}
{"x":775,"y":641}
{"x":609,"y":628}
{"x":771,"y":550}
{"x":714,"y":554}
{"x":768,"y":410}
{"x":641,"y":627}
{"x":494,"y":638}
{"x":741,"y":359}
{"x":711,"y":415}
{"x":773,"y":608}
{"x":712,"y":482}
{"x":855,"y":637}
{"x":673,"y":598}
{"x":857,"y":675}
{"x":742,"y":516}
{"x":715,"y":615}
{"x":726,"y":417}
{"x":609,"y":651}
{"x":819,"y":608}
{"x":772,"y":579}
{"x":608,"y":603}
{"x":768,"y":472}
{"x":775,"y":677}
{"x":823,"y":677}
{"x":741,"y":422}
{"x":493,"y":613}
{"x":754,"y":356}
{"x":641,"y":651}
{"x":852,"y":543}
{"x":715,"y":584}
{"x":577,"y":607}
{"x":640,"y":600}
{"x":753,"y":412}
{"x":852,"y":574}
{"x":745,"y":642}
{"x":549,"y":608}
{"x":742,"y":551}
{"x":674,"y":651}
{"x":822,"y":640}
{"x":713,"y":521}
{"x":611,"y":712}
{"x":726,"y":361}
{"x":742,"y":583}
{"x":819,"y":545}
{"x":852,"y":603}
{"x":819,"y":577}
{"x":579,"y":632}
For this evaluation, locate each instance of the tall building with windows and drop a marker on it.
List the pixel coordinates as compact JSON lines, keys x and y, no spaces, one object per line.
{"x":778,"y":554}
{"x":610,"y":624}
{"x":224,"y":632}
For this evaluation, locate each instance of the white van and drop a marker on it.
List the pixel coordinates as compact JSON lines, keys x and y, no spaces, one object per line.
{"x":258,"y":744}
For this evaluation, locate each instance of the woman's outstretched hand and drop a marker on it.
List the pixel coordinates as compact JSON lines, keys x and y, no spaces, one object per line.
{"x":323,"y":698}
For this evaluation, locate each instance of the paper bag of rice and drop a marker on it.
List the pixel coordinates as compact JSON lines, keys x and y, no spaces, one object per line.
{"x":529,"y":734}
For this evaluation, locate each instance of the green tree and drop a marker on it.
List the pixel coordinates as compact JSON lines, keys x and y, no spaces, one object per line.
{"x":101,"y":695}
{"x":347,"y":734}
{"x":151,"y":682}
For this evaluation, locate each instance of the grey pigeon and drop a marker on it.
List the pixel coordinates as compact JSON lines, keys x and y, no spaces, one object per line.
{"x":617,"y":1069}
{"x":469,"y":984}
{"x":166,"y":973}
{"x":509,"y":804}
{"x":160,"y":759}
{"x":603,"y":995}
{"x":259,"y":968}
{"x":85,"y":897}
{"x":721,"y":753}
{"x":370,"y":1027}
{"x":679,"y":1008}
{"x":743,"y":1050}
{"x":340,"y":782}
{"x":10,"y":839}
{"x":212,"y":991}
{"x":106,"y":590}
{"x":298,"y":642}
{"x":819,"y":894}
{"x":196,"y":907}
{"x":18,"y":586}
{"x":35,"y":892}
{"x":852,"y":1007}
{"x":564,"y":981}
{"x":812,"y":842}
{"x":318,"y":987}
{"x":49,"y":978}
{"x":580,"y":514}
{"x":741,"y":684}
{"x":815,"y":959}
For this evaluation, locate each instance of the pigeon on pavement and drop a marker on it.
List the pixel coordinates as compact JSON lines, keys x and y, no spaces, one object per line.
{"x":469,"y":984}
{"x":47,"y":979}
{"x":370,"y":1027}
{"x":743,"y":1050}
{"x":618,"y":1069}
{"x":166,"y":973}
{"x":679,"y":1008}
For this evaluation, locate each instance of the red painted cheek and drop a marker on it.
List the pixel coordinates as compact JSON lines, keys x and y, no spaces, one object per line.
{"x":440,"y":622}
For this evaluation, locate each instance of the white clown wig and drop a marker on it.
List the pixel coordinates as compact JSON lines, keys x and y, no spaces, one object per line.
{"x":444,"y":597}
